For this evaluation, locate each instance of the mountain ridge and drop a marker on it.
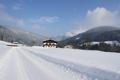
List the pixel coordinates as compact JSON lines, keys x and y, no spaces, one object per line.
{"x":12,"y":34}
{"x":104,"y":33}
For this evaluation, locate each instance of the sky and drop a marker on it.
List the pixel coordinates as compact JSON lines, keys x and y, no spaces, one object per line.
{"x":59,"y":17}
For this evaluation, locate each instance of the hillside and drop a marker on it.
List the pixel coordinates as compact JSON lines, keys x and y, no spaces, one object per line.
{"x":12,"y":34}
{"x":105,"y":33}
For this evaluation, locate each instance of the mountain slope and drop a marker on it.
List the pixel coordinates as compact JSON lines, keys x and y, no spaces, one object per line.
{"x":12,"y":34}
{"x":6,"y":34}
{"x":102,"y":29}
{"x":104,"y":33}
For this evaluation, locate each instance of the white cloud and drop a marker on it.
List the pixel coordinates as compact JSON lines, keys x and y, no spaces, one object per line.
{"x":17,"y":6}
{"x":6,"y":19}
{"x":49,"y":19}
{"x":101,"y":16}
{"x":97,"y":17}
{"x":21,"y":22}
{"x":70,"y":34}
{"x":2,"y":6}
{"x":40,"y":29}
{"x":36,"y":25}
{"x":75,"y":32}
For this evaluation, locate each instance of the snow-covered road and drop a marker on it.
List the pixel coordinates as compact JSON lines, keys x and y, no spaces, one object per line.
{"x":35,"y":63}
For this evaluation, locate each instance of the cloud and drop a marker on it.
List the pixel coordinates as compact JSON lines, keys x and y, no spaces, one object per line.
{"x":35,"y":25}
{"x":2,"y":6}
{"x":44,"y":20}
{"x":39,"y":24}
{"x":40,"y":29}
{"x":6,"y":19}
{"x":74,"y":32}
{"x":100,"y":16}
{"x":17,"y":6}
{"x":21,"y":22}
{"x":48,"y":19}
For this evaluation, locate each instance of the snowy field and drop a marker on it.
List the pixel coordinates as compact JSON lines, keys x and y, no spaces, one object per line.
{"x":36,"y":63}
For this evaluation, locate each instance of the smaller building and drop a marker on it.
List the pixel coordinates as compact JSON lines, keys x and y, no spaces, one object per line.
{"x":50,"y":43}
{"x":68,"y":46}
{"x":12,"y":45}
{"x":15,"y":43}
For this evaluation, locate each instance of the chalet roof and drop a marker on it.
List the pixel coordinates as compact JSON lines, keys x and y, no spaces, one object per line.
{"x":48,"y":41}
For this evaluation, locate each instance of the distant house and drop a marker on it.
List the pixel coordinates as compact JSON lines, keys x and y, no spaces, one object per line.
{"x":49,"y":43}
{"x":14,"y":44}
{"x":68,"y":46}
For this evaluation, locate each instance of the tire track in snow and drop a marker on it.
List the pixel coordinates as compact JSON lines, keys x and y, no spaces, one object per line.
{"x":68,"y":71}
{"x":44,"y":72}
{"x":21,"y":72}
{"x":4,"y":51}
{"x":52,"y":70}
{"x":93,"y":73}
{"x":14,"y":69}
{"x":4,"y":61}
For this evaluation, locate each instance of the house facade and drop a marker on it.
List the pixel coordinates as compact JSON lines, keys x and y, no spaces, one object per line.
{"x":50,"y":43}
